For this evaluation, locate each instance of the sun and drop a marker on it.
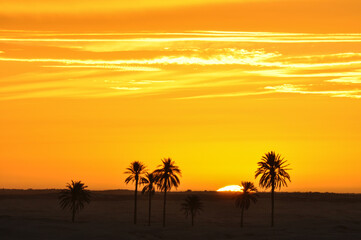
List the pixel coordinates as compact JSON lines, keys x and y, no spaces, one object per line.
{"x":231,"y":188}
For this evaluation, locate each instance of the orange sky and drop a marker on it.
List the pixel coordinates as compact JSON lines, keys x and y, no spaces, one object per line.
{"x":88,"y":88}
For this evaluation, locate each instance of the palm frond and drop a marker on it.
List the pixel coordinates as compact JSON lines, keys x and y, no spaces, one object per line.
{"x":149,"y":182}
{"x":167,"y":175}
{"x":192,"y":205}
{"x":136,"y":170}
{"x":273,"y":171}
{"x":74,"y":196}
{"x":248,"y":194}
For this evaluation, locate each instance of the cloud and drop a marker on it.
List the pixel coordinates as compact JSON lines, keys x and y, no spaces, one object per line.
{"x":104,"y":66}
{"x":126,"y":88}
{"x":241,"y":57}
{"x":223,"y":95}
{"x":186,"y":65}
{"x":347,"y":80}
{"x":289,"y":88}
{"x":290,"y":72}
{"x":199,"y":37}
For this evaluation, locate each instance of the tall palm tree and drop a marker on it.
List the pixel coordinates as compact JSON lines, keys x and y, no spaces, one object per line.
{"x":74,"y":197}
{"x":273,"y":171}
{"x":192,"y":206}
{"x":149,"y":182}
{"x":167,"y":176}
{"x":136,"y":171}
{"x":244,"y":198}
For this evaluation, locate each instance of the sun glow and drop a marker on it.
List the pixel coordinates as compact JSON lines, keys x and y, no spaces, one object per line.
{"x":230,"y":188}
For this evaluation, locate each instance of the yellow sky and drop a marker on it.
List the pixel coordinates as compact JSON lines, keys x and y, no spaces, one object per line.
{"x":214,"y":85}
{"x":95,"y":6}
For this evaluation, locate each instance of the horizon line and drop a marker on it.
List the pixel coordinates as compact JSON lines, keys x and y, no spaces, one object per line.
{"x":178,"y":191}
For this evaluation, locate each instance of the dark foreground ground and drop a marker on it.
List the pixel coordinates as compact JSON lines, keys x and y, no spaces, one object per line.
{"x":34,"y":214}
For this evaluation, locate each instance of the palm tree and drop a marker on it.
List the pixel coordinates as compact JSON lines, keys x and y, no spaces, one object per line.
{"x":136,"y":171}
{"x":167,"y":176}
{"x":74,"y":197}
{"x":273,"y":169}
{"x":149,"y":182}
{"x":192,"y":206}
{"x":248,"y":194}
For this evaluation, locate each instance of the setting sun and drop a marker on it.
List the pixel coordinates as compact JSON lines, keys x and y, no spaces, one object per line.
{"x":230,"y":188}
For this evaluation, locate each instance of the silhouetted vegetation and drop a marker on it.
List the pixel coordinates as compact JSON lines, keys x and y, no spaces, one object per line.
{"x":273,"y":171}
{"x":31,"y":214}
{"x":136,"y":171}
{"x":74,"y":197}
{"x":272,"y":168}
{"x":149,"y":182}
{"x":244,"y":198}
{"x":192,"y":206}
{"x":167,"y":176}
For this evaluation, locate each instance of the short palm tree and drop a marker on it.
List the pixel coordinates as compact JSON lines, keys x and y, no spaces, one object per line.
{"x":149,"y":182}
{"x":244,"y":198}
{"x":192,"y":206}
{"x":74,"y":197}
{"x":136,"y":171}
{"x":273,"y":171}
{"x":167,"y":176}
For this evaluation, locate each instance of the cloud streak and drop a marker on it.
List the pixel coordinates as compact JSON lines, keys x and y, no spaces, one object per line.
{"x":289,"y":88}
{"x":188,"y":65}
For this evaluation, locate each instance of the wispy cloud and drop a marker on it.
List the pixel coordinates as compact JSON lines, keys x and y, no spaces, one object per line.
{"x":236,"y":57}
{"x":241,"y":57}
{"x":126,"y":88}
{"x":289,"y":88}
{"x":210,"y":36}
{"x":224,"y":95}
{"x":347,"y":80}
{"x":190,"y":65}
{"x":104,"y":66}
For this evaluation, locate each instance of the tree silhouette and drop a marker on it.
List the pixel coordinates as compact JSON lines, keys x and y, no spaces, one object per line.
{"x":136,"y":171}
{"x":74,"y":197}
{"x":273,"y":171}
{"x":192,"y":206}
{"x":167,"y":176}
{"x":244,"y":198}
{"x":149,"y":182}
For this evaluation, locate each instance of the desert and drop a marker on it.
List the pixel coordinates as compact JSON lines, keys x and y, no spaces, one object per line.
{"x":35,"y":214}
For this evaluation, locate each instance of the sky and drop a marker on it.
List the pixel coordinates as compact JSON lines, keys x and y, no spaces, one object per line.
{"x":87,"y":87}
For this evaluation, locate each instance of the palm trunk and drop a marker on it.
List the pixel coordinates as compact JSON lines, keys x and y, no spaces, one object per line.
{"x":192,"y":219}
{"x":273,"y":203}
{"x":150,"y":206}
{"x":242,"y":210}
{"x":73,"y":212}
{"x":165,"y":200}
{"x":135,"y":201}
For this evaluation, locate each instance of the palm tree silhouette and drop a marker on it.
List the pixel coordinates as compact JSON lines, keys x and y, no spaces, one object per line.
{"x":244,"y":198}
{"x":149,"y":182}
{"x":192,"y":206}
{"x":167,"y":176}
{"x":273,"y":169}
{"x":74,"y":197}
{"x":136,"y":171}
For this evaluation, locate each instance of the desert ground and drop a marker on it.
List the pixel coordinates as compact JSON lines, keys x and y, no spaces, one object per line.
{"x":35,"y":214}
